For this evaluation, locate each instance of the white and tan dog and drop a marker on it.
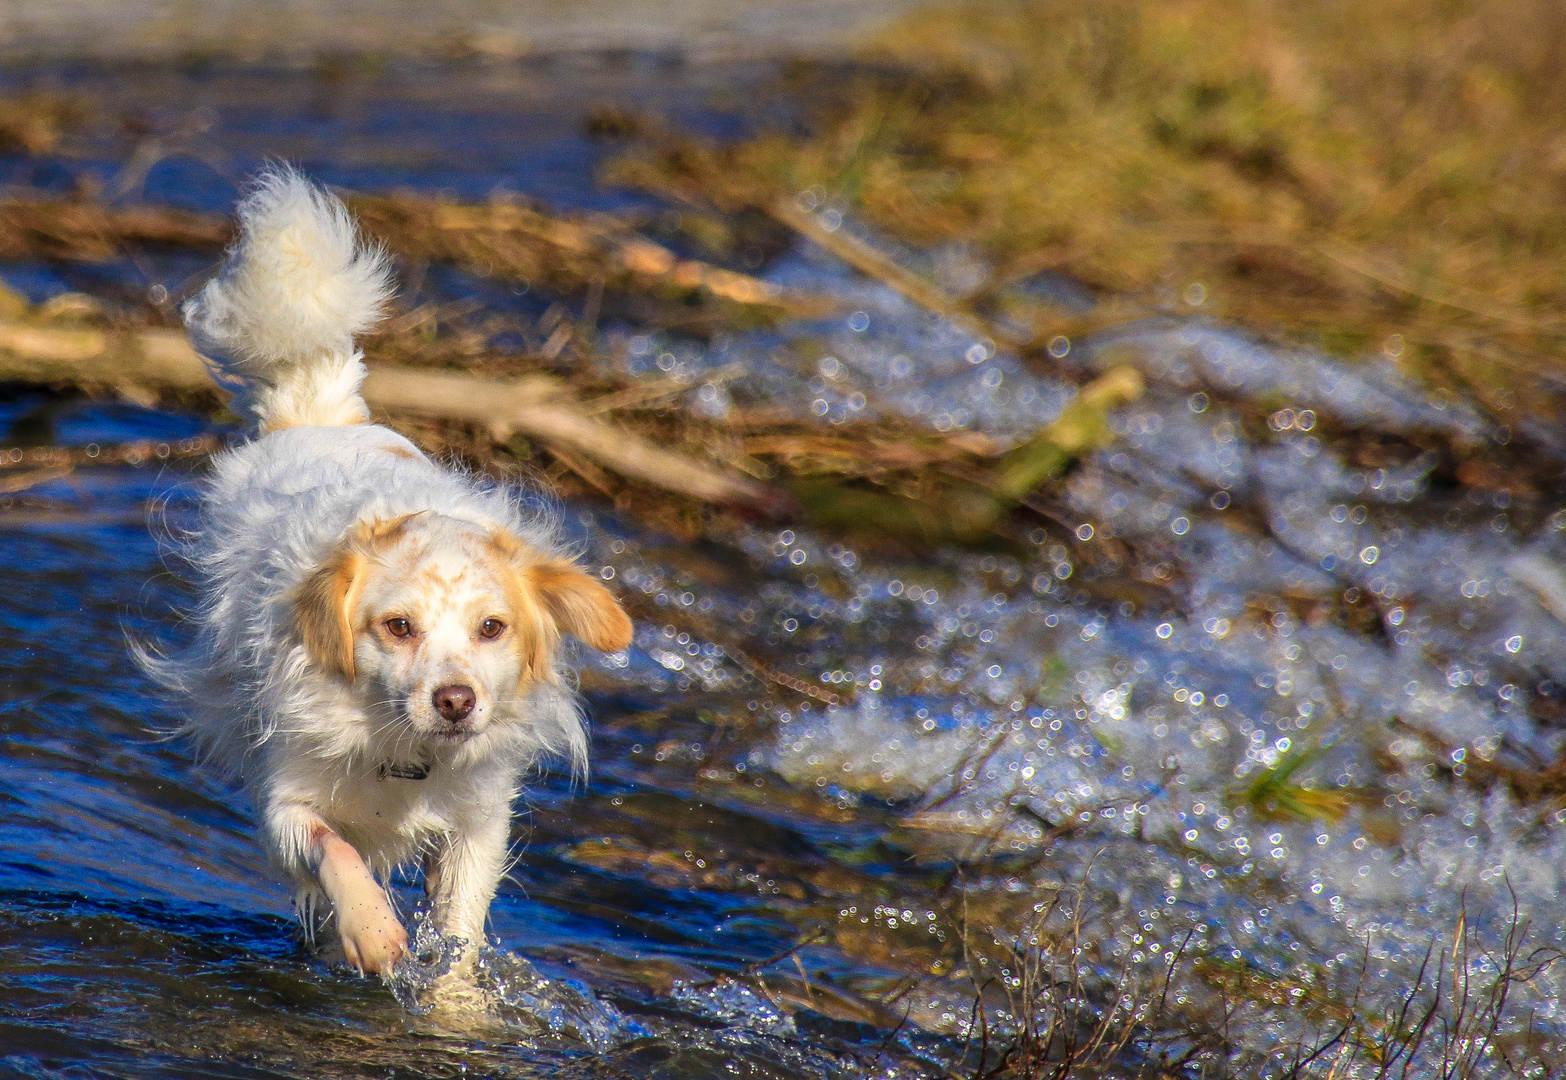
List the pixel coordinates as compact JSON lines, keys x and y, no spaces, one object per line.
{"x":377,"y":647}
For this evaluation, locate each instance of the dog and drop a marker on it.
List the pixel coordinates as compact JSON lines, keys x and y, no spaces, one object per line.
{"x":377,"y":655}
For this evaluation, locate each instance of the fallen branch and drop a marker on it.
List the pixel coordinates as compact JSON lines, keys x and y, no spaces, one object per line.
{"x":540,"y":407}
{"x":645,"y":607}
{"x":926,"y":294}
{"x":691,"y":174}
{"x":507,"y":239}
{"x":516,"y":241}
{"x":649,"y":392}
{"x":30,"y":478}
{"x":544,"y":408}
{"x":807,"y":451}
{"x":132,"y":362}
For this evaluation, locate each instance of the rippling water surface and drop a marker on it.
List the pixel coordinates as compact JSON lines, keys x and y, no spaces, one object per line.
{"x":761,"y":883}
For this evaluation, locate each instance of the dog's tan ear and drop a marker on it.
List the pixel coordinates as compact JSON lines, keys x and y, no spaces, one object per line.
{"x":580,"y":605}
{"x":323,"y":607}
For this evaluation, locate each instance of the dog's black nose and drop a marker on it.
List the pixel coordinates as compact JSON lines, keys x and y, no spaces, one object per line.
{"x":454,"y":702}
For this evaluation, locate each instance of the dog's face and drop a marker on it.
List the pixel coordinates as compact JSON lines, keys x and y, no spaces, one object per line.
{"x":446,"y":625}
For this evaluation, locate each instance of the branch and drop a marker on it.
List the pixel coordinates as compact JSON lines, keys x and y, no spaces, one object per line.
{"x":543,"y":408}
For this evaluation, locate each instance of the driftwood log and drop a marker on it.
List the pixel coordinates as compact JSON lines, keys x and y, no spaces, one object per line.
{"x":141,"y":363}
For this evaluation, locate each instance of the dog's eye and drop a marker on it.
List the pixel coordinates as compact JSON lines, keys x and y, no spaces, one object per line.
{"x":399,"y":627}
{"x":491,"y":629}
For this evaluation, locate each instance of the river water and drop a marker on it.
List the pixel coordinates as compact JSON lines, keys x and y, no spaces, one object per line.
{"x":757,"y":882}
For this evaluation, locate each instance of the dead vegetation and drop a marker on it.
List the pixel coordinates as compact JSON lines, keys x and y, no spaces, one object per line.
{"x":886,"y":480}
{"x":35,"y":123}
{"x":88,"y":231}
{"x":1061,"y":1000}
{"x":1332,"y":171}
{"x":510,"y":239}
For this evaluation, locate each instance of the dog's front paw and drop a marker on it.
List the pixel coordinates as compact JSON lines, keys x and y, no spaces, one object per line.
{"x":373,"y":940}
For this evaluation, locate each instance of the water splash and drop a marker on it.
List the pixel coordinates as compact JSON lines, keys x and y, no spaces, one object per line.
{"x":562,"y":1008}
{"x":504,"y":991}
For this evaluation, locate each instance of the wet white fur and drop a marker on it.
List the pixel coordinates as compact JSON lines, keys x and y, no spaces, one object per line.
{"x":304,"y":742}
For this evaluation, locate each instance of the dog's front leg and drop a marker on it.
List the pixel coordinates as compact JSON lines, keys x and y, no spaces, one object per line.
{"x":373,"y":938}
{"x":308,"y":848}
{"x":322,"y":862}
{"x":461,"y":876}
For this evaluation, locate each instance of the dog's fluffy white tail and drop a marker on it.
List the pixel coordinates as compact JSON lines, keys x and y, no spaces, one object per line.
{"x":280,"y":321}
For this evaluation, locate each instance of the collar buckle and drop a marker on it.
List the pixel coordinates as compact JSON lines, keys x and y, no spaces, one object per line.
{"x":398,"y":770}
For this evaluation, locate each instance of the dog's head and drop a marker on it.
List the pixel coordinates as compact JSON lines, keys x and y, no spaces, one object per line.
{"x":446,"y":624}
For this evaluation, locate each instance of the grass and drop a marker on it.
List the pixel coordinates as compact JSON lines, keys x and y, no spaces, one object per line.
{"x":1370,"y":175}
{"x":1275,"y":796}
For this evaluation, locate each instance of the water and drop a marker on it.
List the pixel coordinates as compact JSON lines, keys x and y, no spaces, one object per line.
{"x":755,"y":882}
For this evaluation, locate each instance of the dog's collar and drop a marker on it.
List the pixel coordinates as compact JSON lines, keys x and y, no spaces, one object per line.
{"x":402,"y":770}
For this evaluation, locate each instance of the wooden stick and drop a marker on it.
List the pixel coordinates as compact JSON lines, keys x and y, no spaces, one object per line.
{"x":21,"y":481}
{"x":543,"y":408}
{"x":163,"y":359}
{"x":930,"y":296}
{"x":872,"y":263}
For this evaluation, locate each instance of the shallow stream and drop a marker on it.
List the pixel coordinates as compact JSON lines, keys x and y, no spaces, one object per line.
{"x":757,"y":882}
